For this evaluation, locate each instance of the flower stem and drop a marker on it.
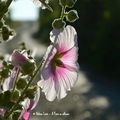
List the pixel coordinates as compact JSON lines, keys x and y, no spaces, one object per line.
{"x":62,"y":12}
{"x":23,"y":92}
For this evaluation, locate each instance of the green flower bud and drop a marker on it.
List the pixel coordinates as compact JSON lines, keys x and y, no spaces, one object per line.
{"x":72,"y":16}
{"x":58,"y":24}
{"x":21,"y":84}
{"x":30,"y":92}
{"x":16,"y":115}
{"x":4,"y":73}
{"x":14,"y":96}
{"x":28,"y":67}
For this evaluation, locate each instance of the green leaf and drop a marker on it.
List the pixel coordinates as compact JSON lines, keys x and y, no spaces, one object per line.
{"x":58,"y":23}
{"x":5,"y":101}
{"x":30,"y":92}
{"x":28,"y":67}
{"x":72,"y":16}
{"x":14,"y":96}
{"x":21,"y":84}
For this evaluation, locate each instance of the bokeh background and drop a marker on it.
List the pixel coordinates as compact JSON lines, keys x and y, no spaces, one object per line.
{"x":96,"y":95}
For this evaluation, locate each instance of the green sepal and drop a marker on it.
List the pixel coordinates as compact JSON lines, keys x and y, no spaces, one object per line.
{"x":72,"y":16}
{"x":21,"y":83}
{"x":30,"y":92}
{"x":58,"y":24}
{"x":28,"y":67}
{"x":15,"y":96}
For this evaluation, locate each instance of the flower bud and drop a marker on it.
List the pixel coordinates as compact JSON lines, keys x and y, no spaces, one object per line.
{"x":15,"y":96}
{"x":58,"y":24}
{"x":21,"y":60}
{"x":28,"y":67}
{"x":72,"y":16}
{"x":21,"y":84}
{"x":30,"y":92}
{"x":17,"y":58}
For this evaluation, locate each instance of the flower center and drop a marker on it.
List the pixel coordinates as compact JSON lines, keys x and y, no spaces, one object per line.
{"x":56,"y":62}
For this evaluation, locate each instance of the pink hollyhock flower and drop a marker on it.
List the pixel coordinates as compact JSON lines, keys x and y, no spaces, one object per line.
{"x":61,"y":69}
{"x":29,"y":105}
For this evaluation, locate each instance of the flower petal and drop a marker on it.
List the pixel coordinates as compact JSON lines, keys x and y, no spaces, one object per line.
{"x":17,"y":58}
{"x":69,"y":59}
{"x":66,"y":39}
{"x":65,"y":81}
{"x":9,"y":82}
{"x":26,"y":115}
{"x":36,"y":98}
{"x":48,"y":87}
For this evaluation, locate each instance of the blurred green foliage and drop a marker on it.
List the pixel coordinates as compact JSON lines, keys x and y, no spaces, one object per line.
{"x":98,"y":33}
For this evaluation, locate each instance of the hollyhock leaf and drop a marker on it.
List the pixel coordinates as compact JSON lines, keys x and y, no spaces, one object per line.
{"x":72,"y":16}
{"x":58,"y":24}
{"x":15,"y":96}
{"x":5,"y":101}
{"x":70,"y":3}
{"x":28,"y":67}
{"x":30,"y":92}
{"x":4,"y":72}
{"x":21,"y":83}
{"x":61,"y":70}
{"x":16,"y":115}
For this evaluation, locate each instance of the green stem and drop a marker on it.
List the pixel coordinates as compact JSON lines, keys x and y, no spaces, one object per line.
{"x":23,"y":92}
{"x":62,"y":12}
{"x":8,"y":2}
